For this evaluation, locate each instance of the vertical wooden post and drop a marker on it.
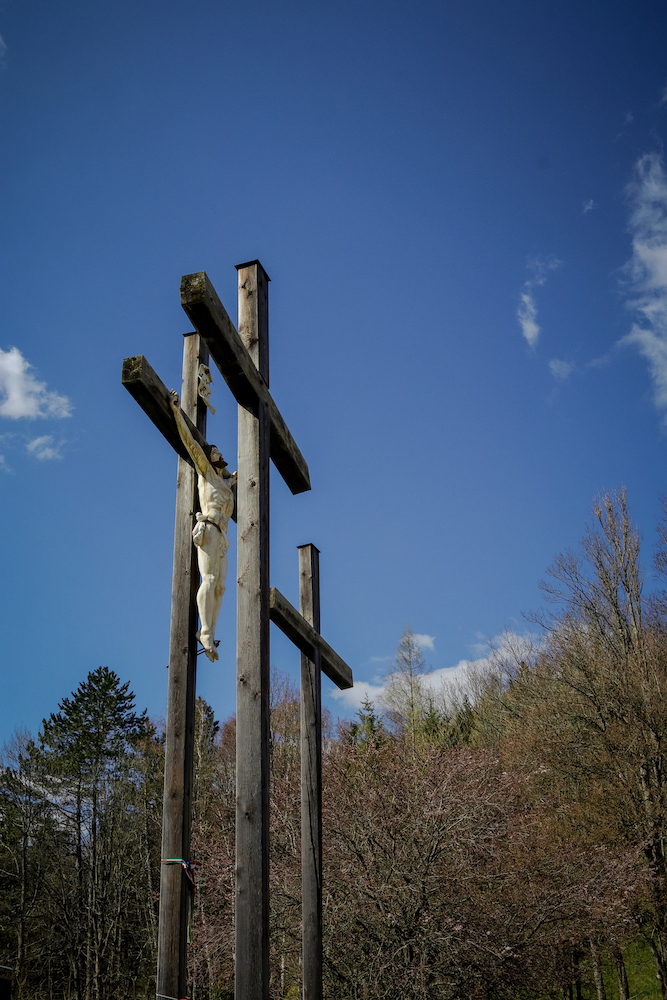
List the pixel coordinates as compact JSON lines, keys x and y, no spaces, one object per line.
{"x":252,"y":655}
{"x":175,"y":894}
{"x":311,"y":781}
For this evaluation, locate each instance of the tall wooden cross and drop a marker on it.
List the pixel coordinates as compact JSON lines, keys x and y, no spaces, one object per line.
{"x":242,"y":358}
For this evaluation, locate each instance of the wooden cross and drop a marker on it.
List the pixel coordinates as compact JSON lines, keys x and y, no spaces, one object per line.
{"x":316,"y":655}
{"x":243,"y":360}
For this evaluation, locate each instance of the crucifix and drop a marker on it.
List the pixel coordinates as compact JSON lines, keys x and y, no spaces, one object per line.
{"x":242,"y":358}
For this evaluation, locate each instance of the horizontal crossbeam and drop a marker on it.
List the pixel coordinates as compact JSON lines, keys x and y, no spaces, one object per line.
{"x":150,"y":392}
{"x":209,"y":318}
{"x":307,"y":639}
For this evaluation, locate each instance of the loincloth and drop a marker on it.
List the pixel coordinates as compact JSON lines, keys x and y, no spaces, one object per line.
{"x":199,"y":530}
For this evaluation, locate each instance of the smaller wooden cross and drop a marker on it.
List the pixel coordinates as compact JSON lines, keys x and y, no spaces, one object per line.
{"x":316,"y":655}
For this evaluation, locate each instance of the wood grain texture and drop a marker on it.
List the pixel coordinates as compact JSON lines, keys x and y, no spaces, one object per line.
{"x":150,"y":392}
{"x":145,"y":386}
{"x":311,"y":781}
{"x":303,"y":635}
{"x":233,"y":357}
{"x":175,"y":896}
{"x":252,"y":659}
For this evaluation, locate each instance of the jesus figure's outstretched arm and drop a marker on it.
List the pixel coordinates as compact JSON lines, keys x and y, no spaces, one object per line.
{"x":195,"y":451}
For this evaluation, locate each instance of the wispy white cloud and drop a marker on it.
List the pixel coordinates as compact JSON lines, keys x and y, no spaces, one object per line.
{"x":22,"y":394}
{"x":445,"y":675}
{"x":527,"y":309}
{"x":663,"y":95}
{"x":508,"y":645}
{"x":588,"y":206}
{"x":647,"y":270}
{"x":561,"y":370}
{"x":603,"y":361}
{"x":44,"y":449}
{"x":629,"y":118}
{"x":3,"y":464}
{"x":527,"y":316}
{"x":425,"y":641}
{"x":483,"y":645}
{"x":354,"y":697}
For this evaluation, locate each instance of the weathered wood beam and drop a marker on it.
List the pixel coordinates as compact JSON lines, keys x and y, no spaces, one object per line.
{"x":307,"y":639}
{"x":175,"y":895}
{"x":150,"y":392}
{"x":311,"y":781}
{"x":209,"y":317}
{"x":251,"y":912}
{"x":152,"y":395}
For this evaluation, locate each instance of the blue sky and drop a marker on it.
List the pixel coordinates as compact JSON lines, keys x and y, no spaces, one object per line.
{"x":463,"y":211}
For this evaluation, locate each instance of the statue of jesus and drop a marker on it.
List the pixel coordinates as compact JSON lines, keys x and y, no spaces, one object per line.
{"x":210,"y":533}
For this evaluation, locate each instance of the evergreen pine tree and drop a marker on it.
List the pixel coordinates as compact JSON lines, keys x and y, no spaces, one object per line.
{"x":86,"y":757}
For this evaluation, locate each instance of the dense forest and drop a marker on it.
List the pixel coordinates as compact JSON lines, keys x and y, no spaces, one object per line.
{"x":504,"y":838}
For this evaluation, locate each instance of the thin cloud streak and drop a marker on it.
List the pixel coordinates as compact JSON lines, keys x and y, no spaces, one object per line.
{"x":527,"y":309}
{"x":647,"y":270}
{"x":527,"y":316}
{"x":561,"y":370}
{"x":24,"y":395}
{"x":43,"y":448}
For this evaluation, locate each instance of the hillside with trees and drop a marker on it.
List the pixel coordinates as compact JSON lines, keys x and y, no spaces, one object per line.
{"x":501,"y":839}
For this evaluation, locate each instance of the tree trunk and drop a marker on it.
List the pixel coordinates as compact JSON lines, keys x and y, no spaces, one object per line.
{"x":79,"y":986}
{"x":20,"y":944}
{"x":623,"y":986}
{"x":597,"y":969}
{"x":90,"y":915}
{"x":152,"y":916}
{"x":577,"y":973}
{"x":656,"y":951}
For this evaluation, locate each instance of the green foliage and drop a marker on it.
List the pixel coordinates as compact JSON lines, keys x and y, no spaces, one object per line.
{"x":95,"y":729}
{"x":447,"y":728}
{"x":31,"y":844}
{"x":207,"y":729}
{"x":368,"y":728}
{"x":641,"y":972}
{"x":425,"y":712}
{"x":79,"y":815}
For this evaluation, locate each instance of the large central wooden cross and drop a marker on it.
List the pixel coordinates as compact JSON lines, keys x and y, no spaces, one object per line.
{"x":243,"y":360}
